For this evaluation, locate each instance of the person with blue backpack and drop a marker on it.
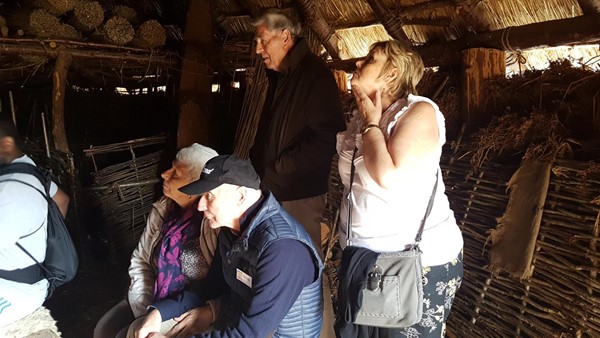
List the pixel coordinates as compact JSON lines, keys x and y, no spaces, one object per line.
{"x":23,"y":231}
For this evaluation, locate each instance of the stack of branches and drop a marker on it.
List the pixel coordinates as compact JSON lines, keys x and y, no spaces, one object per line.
{"x":513,"y":136}
{"x":567,"y":91}
{"x":541,"y":110}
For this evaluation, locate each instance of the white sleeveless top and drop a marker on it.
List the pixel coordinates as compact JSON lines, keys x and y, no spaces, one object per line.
{"x":384,"y":220}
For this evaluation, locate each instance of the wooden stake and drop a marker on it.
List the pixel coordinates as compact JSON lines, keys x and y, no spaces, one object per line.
{"x":59,"y":80}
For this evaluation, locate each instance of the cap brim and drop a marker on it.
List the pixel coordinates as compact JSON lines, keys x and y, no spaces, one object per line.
{"x":199,"y":187}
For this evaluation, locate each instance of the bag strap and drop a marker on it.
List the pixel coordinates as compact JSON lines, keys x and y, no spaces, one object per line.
{"x":26,"y":168}
{"x":427,"y":211}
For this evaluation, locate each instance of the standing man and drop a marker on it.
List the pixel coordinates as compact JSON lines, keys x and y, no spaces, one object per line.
{"x":23,"y":220}
{"x":300,"y":119}
{"x":297,"y":130}
{"x":266,"y":278}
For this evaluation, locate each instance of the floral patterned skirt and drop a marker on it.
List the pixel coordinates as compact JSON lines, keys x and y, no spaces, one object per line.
{"x":441,"y":284}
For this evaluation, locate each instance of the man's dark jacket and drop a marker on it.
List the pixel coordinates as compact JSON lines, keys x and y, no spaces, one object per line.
{"x":295,"y":140}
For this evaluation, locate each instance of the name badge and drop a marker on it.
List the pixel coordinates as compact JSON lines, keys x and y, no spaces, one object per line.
{"x":243,"y":277}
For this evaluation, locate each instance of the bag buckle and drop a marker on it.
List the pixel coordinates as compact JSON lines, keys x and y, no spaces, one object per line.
{"x":374,"y":278}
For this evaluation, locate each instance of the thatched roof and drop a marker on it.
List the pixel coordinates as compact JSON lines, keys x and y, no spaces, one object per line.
{"x":425,"y":24}
{"x":439,"y":30}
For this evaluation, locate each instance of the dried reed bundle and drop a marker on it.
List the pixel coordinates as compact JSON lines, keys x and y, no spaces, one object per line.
{"x":538,"y":136}
{"x":87,"y":15}
{"x":126,"y":12}
{"x":150,"y":34}
{"x":44,"y":24}
{"x":56,"y":7}
{"x":117,"y":30}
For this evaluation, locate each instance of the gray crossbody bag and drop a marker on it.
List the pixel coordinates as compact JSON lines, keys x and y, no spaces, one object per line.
{"x":393,"y":296}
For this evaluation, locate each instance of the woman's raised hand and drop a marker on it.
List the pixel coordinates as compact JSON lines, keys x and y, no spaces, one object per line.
{"x":370,"y":110}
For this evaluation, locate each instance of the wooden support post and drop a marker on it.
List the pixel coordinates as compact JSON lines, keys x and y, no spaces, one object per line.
{"x":479,"y":65}
{"x":196,"y":76}
{"x":59,"y":81}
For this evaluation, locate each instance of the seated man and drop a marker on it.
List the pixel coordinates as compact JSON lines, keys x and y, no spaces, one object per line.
{"x":265,"y":279}
{"x":23,"y":220}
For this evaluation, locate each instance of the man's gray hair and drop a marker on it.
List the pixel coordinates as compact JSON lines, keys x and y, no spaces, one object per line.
{"x":275,"y":19}
{"x":195,"y":157}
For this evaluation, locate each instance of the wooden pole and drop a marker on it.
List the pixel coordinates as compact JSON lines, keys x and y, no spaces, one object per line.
{"x":59,"y":85}
{"x":196,"y":78}
{"x":479,"y":65}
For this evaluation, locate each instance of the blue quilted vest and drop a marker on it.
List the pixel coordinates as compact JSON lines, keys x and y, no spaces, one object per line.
{"x":270,"y":224}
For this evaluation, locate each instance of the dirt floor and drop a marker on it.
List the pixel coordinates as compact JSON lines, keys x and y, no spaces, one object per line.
{"x":78,"y":305}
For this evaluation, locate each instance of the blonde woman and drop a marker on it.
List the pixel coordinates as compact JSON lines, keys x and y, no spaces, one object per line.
{"x":398,"y":137}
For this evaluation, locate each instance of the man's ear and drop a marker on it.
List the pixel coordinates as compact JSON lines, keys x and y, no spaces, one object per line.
{"x":241,"y":195}
{"x":7,"y":144}
{"x":286,"y":37}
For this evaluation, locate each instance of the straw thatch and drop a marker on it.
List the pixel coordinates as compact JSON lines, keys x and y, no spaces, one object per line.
{"x":425,"y":23}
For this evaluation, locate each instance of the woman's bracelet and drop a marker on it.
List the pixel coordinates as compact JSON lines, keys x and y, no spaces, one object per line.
{"x":368,"y":127}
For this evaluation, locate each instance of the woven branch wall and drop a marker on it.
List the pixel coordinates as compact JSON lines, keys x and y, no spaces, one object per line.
{"x":127,"y":189}
{"x":561,"y":297}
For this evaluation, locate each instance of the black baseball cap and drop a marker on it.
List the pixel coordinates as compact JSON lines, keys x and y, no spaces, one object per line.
{"x":223,"y":169}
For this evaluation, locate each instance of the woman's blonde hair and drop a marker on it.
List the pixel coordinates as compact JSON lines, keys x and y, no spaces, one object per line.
{"x":408,"y":63}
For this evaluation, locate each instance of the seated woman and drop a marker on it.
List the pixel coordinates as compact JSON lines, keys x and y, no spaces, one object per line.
{"x":174,"y":248}
{"x":394,"y":142}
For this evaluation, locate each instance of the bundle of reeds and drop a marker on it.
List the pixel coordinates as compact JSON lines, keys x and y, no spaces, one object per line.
{"x":126,"y":12}
{"x":42,"y":24}
{"x":87,"y":15}
{"x":56,"y":7}
{"x":118,"y":30}
{"x":150,"y":34}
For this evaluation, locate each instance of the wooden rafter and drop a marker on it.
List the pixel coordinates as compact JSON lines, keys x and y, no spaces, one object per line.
{"x":52,"y":50}
{"x":317,"y":23}
{"x":409,"y":11}
{"x":392,"y":23}
{"x":579,"y":30}
{"x":589,"y":6}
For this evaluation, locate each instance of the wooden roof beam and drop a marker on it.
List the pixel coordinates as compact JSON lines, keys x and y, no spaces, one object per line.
{"x":442,"y":21}
{"x":317,"y":23}
{"x":589,"y":6}
{"x":579,"y":30}
{"x":409,"y":11}
{"x":392,"y":23}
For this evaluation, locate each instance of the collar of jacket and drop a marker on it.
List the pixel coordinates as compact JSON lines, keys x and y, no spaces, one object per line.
{"x":293,"y":58}
{"x":266,"y":208}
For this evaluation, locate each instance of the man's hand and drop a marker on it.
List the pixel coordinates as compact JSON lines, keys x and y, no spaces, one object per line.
{"x":195,"y":321}
{"x":150,"y":324}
